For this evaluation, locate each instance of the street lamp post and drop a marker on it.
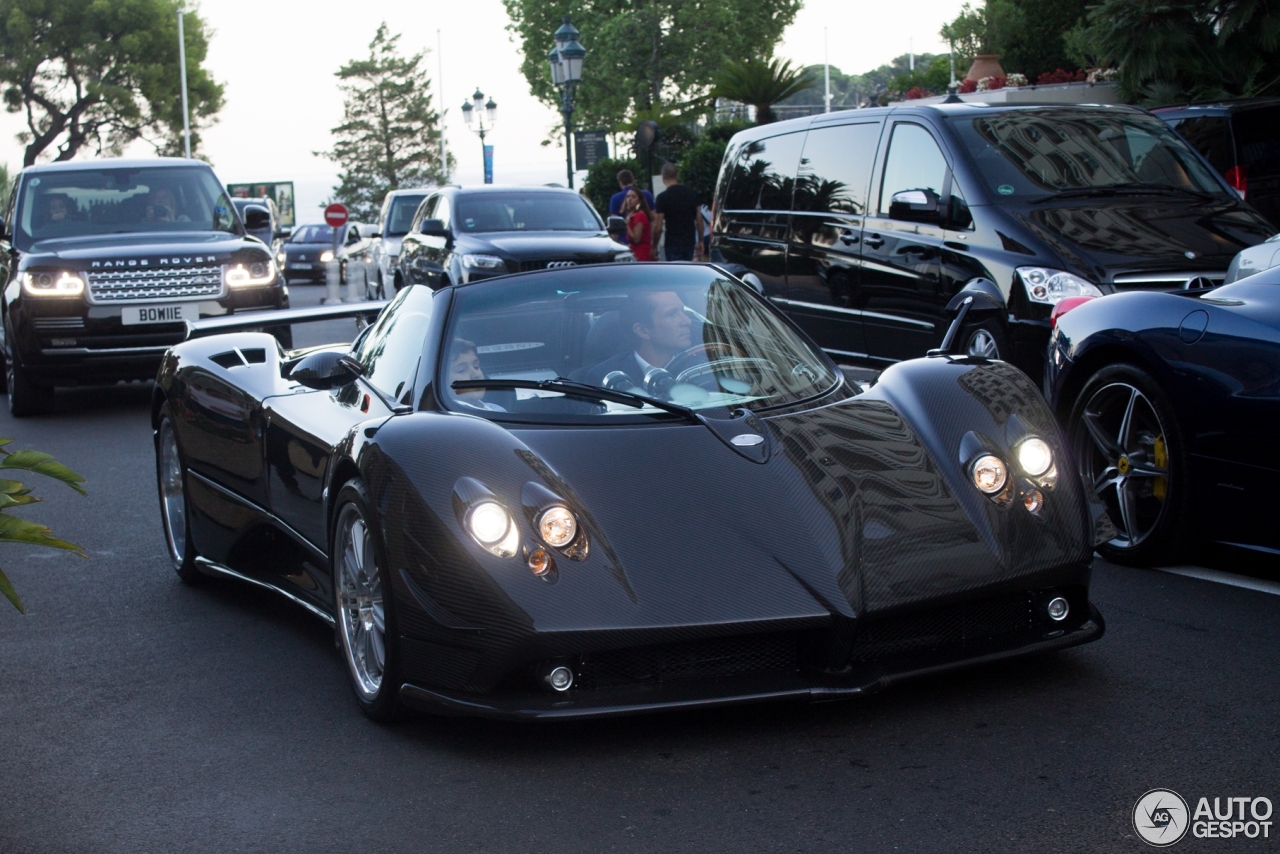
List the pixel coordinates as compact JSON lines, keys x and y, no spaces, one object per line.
{"x":566,"y":72}
{"x":475,"y":120}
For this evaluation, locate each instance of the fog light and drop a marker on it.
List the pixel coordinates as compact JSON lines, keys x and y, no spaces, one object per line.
{"x":989,"y":474}
{"x":1033,"y":501}
{"x":560,"y":678}
{"x":539,"y":563}
{"x":1058,"y":609}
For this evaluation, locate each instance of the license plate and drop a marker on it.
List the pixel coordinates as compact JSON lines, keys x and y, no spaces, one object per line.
{"x":297,"y":266}
{"x":136,"y":314}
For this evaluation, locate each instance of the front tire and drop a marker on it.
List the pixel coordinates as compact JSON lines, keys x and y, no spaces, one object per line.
{"x":171,"y":480}
{"x":25,"y":397}
{"x":1129,"y":448}
{"x":363,"y":606}
{"x":986,"y":340}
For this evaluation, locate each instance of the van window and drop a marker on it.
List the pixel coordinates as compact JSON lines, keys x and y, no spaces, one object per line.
{"x":835,"y":169}
{"x":1256,"y":136}
{"x":764,"y":173}
{"x":1210,"y":136}
{"x":915,"y":163}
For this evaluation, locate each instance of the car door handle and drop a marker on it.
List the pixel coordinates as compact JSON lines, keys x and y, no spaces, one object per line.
{"x":875,"y":241}
{"x":849,"y":237}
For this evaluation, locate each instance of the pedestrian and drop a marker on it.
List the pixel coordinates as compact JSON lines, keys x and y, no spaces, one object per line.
{"x":626,"y":181}
{"x":635,"y":207}
{"x":677,"y":215}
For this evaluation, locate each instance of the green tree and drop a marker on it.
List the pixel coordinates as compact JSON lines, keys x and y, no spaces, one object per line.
{"x":970,"y":34}
{"x":643,"y":53}
{"x":15,"y":494}
{"x":100,"y":75}
{"x":761,"y":84}
{"x":390,"y":135}
{"x":1031,"y":34}
{"x":602,"y":181}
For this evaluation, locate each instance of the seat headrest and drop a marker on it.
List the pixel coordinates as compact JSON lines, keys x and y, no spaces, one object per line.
{"x":606,"y":338}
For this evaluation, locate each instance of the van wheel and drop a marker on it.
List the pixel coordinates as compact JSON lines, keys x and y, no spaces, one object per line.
{"x":25,"y":397}
{"x":986,"y":341}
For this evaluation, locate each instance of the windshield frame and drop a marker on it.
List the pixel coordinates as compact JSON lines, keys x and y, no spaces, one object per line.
{"x":626,"y":416}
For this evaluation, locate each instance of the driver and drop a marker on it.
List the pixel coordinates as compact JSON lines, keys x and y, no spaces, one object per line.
{"x":161,"y":205}
{"x":662,"y":331}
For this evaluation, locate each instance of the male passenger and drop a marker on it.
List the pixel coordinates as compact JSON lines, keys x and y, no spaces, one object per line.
{"x":660,"y":330}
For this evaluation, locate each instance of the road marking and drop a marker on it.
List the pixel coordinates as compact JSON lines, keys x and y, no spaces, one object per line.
{"x":1230,"y":578}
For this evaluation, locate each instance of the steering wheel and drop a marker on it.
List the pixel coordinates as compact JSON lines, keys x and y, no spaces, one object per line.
{"x":694,"y":356}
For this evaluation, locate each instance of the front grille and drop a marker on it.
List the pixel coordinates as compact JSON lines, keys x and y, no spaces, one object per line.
{"x":170,"y":283}
{"x":556,"y":263}
{"x":1125,"y":281}
{"x":954,"y":627}
{"x":703,"y":659}
{"x":59,"y":323}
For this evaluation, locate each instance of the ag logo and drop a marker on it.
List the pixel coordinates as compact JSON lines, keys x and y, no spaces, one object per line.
{"x":1160,"y":817}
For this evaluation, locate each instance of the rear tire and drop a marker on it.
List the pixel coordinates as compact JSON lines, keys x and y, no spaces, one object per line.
{"x":364,"y":607}
{"x":25,"y":397}
{"x":174,"y":514}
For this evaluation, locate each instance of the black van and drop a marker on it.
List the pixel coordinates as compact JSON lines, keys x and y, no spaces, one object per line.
{"x":863,"y":224}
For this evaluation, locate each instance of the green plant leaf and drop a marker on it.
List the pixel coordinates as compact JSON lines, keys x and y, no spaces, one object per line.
{"x":9,"y":593}
{"x":7,"y":500}
{"x":42,"y":463}
{"x":14,"y":487}
{"x":15,"y":530}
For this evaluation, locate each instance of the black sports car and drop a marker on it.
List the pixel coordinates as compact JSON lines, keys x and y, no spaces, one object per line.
{"x":619,"y":488}
{"x":1172,"y":404}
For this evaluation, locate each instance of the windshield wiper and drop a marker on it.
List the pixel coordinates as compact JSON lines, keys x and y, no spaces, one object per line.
{"x":1121,"y":189}
{"x":572,"y":388}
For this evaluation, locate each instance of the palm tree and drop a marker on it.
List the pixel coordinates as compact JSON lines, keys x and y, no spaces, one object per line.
{"x":761,"y":84}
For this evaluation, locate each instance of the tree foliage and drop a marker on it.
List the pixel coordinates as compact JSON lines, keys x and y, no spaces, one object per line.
{"x":602,"y":181}
{"x":99,"y":75}
{"x":390,"y":134}
{"x":643,"y":53}
{"x":15,"y":494}
{"x":761,"y":84}
{"x":1175,"y":50}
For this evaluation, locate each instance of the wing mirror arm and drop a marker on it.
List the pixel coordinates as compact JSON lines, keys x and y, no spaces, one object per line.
{"x":980,"y":295}
{"x":954,"y":329}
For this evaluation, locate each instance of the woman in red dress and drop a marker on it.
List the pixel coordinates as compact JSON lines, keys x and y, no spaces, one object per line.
{"x":639,"y":224}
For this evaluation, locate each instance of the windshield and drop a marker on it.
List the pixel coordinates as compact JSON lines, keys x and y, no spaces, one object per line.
{"x":525,"y":212}
{"x":88,"y":202}
{"x":1027,"y":155}
{"x":400,"y":217}
{"x":312,"y":234}
{"x":684,"y":335}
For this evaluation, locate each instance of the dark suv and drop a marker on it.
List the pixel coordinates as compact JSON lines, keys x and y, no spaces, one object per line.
{"x":862,"y":225}
{"x":104,"y":262}
{"x":1241,"y":139}
{"x":464,"y":234}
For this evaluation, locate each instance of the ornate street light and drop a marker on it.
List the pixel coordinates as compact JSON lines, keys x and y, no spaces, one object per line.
{"x":472,"y":115}
{"x":566,"y":72}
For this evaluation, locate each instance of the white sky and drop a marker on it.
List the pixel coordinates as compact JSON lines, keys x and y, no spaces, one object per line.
{"x":277,"y":60}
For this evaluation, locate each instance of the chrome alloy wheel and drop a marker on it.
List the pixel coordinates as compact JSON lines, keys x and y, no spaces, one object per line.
{"x":983,"y":344}
{"x":172,"y":500}
{"x":1123,"y":452}
{"x":361,"y":615}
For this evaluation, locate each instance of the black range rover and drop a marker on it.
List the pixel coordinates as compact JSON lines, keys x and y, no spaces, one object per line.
{"x":103,"y":263}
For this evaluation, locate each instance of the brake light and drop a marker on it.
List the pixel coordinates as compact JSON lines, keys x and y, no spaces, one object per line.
{"x":1064,"y":306}
{"x":1238,"y":180}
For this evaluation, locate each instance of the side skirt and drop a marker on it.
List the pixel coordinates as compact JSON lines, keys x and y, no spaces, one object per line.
{"x":218,"y":569}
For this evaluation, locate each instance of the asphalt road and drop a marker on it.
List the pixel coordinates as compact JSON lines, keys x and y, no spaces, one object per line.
{"x":141,"y":715}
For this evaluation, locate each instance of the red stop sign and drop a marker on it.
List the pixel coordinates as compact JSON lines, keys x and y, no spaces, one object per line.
{"x":336,"y":215}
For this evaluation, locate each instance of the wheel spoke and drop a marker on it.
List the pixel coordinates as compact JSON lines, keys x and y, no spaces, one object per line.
{"x":1146,"y":470}
{"x":379,"y":617}
{"x":1126,"y":422}
{"x":1128,"y":512}
{"x":1108,"y":446}
{"x":1108,"y":478}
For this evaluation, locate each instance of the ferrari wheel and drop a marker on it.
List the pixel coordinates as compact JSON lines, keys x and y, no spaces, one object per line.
{"x":1129,"y":449}
{"x":365,"y":621}
{"x":173,"y":500}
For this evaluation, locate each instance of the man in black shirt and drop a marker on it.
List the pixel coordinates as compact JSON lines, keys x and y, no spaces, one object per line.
{"x":677,"y":215}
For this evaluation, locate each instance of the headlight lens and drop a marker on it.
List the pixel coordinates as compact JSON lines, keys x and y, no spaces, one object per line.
{"x":280,"y":258}
{"x":624,"y":256}
{"x":54,"y":283}
{"x":326,"y":256}
{"x":989,"y":474}
{"x":1034,"y":456}
{"x":253,"y":273}
{"x":483,"y":262}
{"x":1049,"y":287}
{"x":488,"y":523}
{"x":557,"y":526}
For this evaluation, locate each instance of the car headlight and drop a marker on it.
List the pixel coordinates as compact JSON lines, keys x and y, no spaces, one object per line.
{"x":989,"y":474}
{"x":1049,"y":287}
{"x":1034,"y":456}
{"x":326,"y":256}
{"x":489,"y":523}
{"x":54,"y":283}
{"x":624,"y":256}
{"x":253,"y":273}
{"x":557,"y":526}
{"x":483,"y":262}
{"x":280,"y":258}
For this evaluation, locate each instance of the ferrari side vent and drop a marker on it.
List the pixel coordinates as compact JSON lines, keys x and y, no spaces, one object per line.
{"x":703,"y":659}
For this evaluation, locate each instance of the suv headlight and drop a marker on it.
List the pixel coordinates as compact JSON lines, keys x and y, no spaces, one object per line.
{"x":253,"y":273}
{"x":624,"y":256}
{"x":1049,"y":287}
{"x":483,"y":262}
{"x":53,"y":283}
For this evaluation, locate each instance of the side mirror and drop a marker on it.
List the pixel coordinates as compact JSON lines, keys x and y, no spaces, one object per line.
{"x":977,"y":295}
{"x":324,"y":369}
{"x":916,"y":206}
{"x":256,"y":217}
{"x":376,"y":234}
{"x":616,"y":226}
{"x":283,"y":233}
{"x":433,"y":228}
